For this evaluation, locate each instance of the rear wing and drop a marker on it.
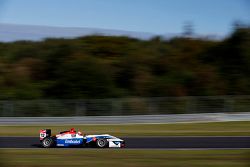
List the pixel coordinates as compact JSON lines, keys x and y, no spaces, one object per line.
{"x":45,"y":133}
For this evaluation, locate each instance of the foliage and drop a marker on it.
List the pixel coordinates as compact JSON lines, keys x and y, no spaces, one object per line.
{"x":106,"y":66}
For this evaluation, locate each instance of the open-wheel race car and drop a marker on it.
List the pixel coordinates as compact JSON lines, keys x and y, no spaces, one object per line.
{"x":71,"y":138}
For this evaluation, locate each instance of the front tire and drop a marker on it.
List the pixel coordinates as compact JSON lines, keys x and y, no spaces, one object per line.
{"x":48,"y":142}
{"x":102,"y":143}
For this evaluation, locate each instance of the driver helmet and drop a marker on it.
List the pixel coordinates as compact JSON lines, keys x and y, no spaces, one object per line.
{"x":72,"y":130}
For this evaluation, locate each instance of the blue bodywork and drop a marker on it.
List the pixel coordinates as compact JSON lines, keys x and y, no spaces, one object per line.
{"x":90,"y":139}
{"x":77,"y":141}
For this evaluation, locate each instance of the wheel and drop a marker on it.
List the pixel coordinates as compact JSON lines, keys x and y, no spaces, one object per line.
{"x":48,"y":142}
{"x":101,"y":143}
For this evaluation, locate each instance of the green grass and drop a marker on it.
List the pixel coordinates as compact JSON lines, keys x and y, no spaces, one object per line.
{"x":123,"y":158}
{"x":181,"y":129}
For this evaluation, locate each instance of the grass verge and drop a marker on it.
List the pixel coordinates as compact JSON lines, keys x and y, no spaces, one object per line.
{"x":181,"y":129}
{"x":135,"y":158}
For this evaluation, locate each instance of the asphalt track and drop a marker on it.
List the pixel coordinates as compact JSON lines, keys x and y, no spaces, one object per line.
{"x":149,"y":142}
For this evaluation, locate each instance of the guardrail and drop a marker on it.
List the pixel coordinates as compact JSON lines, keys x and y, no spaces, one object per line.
{"x":136,"y":119}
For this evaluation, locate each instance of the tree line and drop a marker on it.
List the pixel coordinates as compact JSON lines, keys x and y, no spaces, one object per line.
{"x":109,"y":67}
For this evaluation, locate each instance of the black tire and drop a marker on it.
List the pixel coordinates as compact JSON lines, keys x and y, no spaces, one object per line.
{"x":48,"y":142}
{"x":102,"y":143}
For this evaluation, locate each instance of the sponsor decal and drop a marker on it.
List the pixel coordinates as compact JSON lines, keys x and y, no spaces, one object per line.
{"x":72,"y":141}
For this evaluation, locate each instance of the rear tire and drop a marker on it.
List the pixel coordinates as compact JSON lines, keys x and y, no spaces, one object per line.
{"x":48,"y":142}
{"x":102,"y":143}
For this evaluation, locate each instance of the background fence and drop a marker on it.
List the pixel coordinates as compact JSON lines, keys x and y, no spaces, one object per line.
{"x":124,"y":106}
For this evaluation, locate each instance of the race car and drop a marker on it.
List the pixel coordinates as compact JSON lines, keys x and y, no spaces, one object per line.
{"x":71,"y":138}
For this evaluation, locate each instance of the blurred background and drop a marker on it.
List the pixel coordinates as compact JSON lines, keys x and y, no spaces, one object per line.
{"x":136,"y":61}
{"x":59,"y":58}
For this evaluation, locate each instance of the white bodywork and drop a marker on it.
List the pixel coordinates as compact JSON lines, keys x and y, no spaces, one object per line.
{"x":113,"y":142}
